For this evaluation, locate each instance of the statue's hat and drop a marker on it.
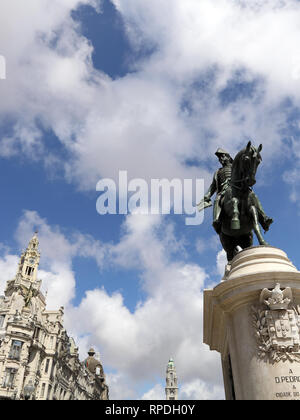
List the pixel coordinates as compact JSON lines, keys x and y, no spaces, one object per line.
{"x":221,"y":152}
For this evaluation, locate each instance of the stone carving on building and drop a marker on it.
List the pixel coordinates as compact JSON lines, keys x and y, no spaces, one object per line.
{"x":276,"y":324}
{"x":28,"y":294}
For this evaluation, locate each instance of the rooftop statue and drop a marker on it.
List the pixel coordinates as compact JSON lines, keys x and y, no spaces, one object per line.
{"x":237,"y":210}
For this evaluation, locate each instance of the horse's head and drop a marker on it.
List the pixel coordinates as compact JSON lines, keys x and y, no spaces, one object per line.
{"x":251,"y":158}
{"x":246,"y":163}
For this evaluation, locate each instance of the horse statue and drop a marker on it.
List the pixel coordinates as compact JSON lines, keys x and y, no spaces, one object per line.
{"x":241,"y":212}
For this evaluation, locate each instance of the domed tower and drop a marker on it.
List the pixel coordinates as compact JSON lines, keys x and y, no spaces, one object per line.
{"x":171,"y":382}
{"x":96,"y":369}
{"x":94,"y":365}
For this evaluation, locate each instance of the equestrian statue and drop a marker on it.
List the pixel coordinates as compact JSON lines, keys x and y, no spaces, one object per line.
{"x":237,"y":210}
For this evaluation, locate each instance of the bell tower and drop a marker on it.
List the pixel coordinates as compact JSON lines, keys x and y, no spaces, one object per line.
{"x":171,"y":382}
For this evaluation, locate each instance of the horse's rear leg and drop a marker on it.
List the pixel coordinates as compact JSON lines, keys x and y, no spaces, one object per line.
{"x":256,"y":226}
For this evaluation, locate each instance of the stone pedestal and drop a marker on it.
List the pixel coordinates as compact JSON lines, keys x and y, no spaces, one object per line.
{"x":253,"y":319}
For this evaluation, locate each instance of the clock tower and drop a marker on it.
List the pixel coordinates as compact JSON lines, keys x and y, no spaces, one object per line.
{"x":29,"y":261}
{"x":171,"y":382}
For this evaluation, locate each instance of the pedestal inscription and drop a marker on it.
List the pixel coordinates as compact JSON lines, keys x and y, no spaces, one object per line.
{"x":294,"y":382}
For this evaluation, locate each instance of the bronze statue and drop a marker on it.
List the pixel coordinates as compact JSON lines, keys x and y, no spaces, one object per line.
{"x":237,"y":209}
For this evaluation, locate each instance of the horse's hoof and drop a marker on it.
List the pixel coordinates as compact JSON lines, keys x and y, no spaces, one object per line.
{"x":235,"y":224}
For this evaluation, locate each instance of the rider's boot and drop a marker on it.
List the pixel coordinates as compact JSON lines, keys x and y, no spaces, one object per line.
{"x":216,"y":216}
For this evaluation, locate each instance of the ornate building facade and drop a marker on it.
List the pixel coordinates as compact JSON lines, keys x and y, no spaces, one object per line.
{"x":171,"y":382}
{"x":38,"y":360}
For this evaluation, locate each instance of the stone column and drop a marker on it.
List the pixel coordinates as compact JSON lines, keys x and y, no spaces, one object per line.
{"x":252,"y":318}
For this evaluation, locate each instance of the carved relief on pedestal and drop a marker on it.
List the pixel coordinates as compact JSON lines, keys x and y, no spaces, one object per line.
{"x":277,"y":325}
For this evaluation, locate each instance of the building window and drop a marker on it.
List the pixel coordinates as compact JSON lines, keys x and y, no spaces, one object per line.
{"x":15,"y":350}
{"x":52,"y":370}
{"x":42,"y":390}
{"x":49,"y":392}
{"x":9,"y":377}
{"x":37,"y":333}
{"x":2,"y":318}
{"x":47,"y":365}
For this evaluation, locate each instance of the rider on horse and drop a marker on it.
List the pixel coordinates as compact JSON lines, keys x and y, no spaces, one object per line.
{"x":219,"y":185}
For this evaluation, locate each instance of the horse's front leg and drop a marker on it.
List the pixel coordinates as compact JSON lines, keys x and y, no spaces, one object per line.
{"x":256,"y":226}
{"x":228,"y":246}
{"x":235,"y":221}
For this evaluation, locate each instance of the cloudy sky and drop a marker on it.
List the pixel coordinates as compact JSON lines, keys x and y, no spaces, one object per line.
{"x":94,"y":87}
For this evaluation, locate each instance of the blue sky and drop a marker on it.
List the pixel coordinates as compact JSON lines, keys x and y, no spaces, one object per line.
{"x":106,"y":31}
{"x":96,"y":87}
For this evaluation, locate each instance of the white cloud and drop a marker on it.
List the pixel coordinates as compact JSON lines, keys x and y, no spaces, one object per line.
{"x":155,"y":393}
{"x":8,"y":269}
{"x":129,"y":123}
{"x":207,"y":43}
{"x":198,"y":390}
{"x":212,"y":243}
{"x":193,"y":36}
{"x":120,"y":387}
